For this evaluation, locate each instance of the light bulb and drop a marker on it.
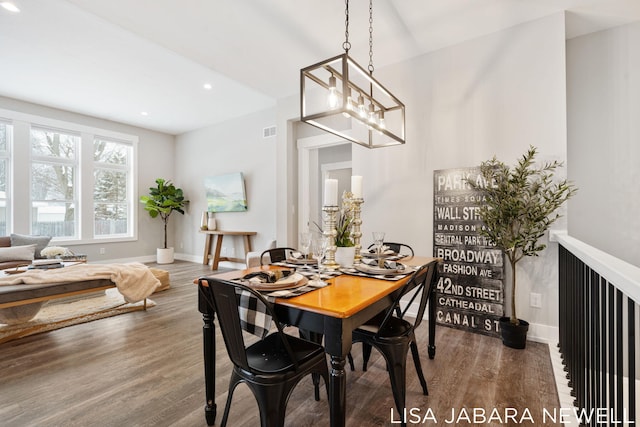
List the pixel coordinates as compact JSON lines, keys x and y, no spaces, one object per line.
{"x":361,"y":110}
{"x":348,"y":105}
{"x":372,"y":114}
{"x":333,"y":93}
{"x":381,"y":120}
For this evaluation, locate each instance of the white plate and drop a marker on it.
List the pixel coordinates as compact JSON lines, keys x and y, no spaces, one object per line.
{"x":371,"y":269}
{"x":294,"y":280}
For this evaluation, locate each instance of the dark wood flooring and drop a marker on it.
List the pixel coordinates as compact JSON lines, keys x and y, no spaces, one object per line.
{"x":145,"y":369}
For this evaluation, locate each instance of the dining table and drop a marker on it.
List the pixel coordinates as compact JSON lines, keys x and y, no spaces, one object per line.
{"x":333,"y":311}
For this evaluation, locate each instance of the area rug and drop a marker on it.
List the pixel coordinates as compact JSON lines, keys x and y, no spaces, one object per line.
{"x":60,"y":315}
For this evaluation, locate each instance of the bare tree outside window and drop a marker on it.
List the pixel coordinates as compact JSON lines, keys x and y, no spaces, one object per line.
{"x":111,"y":189}
{"x":53,"y":189}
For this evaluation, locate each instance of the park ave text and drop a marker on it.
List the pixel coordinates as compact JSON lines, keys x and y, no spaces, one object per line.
{"x":511,"y":416}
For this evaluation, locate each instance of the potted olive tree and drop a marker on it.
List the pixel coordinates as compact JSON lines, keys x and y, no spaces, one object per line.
{"x":520,"y":205}
{"x":162,"y":201}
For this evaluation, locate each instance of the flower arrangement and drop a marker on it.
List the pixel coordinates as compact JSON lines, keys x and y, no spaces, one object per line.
{"x":54,"y":251}
{"x":344,"y":221}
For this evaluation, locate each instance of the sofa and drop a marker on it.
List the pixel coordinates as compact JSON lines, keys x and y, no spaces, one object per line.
{"x":21,"y":249}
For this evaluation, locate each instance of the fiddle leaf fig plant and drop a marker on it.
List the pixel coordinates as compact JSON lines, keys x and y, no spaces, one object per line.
{"x":162,"y":201}
{"x":520,"y":204}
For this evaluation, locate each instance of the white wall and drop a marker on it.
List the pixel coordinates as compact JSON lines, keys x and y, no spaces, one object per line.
{"x":494,"y":95}
{"x":603,"y":74}
{"x":233,"y":146}
{"x":155,"y":159}
{"x":497,"y":94}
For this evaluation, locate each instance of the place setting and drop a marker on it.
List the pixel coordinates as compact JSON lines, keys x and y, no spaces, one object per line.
{"x":381,"y":263}
{"x":281,"y":283}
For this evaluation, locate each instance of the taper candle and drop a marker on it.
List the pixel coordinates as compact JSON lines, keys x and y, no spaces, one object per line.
{"x":331,"y":192}
{"x":356,"y":186}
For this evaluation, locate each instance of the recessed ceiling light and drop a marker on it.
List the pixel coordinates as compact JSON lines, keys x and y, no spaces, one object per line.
{"x":10,"y":6}
{"x":207,"y":86}
{"x":144,"y":113}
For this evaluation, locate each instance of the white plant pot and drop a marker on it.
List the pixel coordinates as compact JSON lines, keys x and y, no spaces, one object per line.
{"x":164,"y":256}
{"x":345,"y":255}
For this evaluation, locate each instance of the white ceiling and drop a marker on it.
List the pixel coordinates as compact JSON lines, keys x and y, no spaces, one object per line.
{"x":114,"y":59}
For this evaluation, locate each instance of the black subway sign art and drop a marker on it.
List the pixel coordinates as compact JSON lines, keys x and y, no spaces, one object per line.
{"x":470,"y":288}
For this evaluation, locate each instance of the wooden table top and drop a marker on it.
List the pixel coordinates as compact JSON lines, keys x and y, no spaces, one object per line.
{"x":346,"y":294}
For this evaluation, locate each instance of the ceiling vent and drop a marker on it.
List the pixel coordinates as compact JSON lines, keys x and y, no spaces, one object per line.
{"x":269,"y":132}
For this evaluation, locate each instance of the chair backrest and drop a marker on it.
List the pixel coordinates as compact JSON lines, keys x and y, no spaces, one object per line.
{"x":399,"y":248}
{"x":421,"y":282}
{"x":275,"y":255}
{"x":224,"y":297}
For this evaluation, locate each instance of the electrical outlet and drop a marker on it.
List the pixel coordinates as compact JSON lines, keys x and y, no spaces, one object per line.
{"x":535,"y":300}
{"x":103,"y":251}
{"x":224,"y":250}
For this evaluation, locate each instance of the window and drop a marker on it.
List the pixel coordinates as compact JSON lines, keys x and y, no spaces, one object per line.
{"x":73,"y":182}
{"x":53,"y":182}
{"x":5,"y":141}
{"x":112,"y":181}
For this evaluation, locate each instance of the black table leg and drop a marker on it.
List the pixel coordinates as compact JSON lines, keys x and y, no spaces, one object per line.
{"x":337,"y":392}
{"x":209,"y":349}
{"x":432,"y":323}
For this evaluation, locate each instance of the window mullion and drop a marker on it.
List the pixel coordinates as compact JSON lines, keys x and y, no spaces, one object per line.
{"x":87,"y":184}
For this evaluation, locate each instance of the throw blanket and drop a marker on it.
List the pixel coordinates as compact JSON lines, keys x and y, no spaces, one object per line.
{"x":134,"y":280}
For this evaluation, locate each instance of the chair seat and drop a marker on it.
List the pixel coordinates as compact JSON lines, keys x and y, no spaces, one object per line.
{"x":269,"y":356}
{"x":270,"y":367}
{"x":394,"y":328}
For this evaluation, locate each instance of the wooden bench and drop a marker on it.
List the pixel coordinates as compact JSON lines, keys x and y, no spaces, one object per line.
{"x":16,"y":295}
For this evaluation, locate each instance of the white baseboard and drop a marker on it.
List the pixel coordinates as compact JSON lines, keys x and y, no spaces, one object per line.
{"x":142,"y":259}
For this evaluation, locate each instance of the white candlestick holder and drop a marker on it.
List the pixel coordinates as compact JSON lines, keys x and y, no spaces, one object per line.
{"x":329,"y":220}
{"x":356,"y":234}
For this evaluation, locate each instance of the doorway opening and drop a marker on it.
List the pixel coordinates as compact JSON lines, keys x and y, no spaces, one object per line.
{"x":320,"y":158}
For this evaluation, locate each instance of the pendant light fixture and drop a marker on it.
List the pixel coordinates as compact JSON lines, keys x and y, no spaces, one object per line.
{"x":340,"y":97}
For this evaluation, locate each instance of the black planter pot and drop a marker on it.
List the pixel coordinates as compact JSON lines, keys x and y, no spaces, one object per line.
{"x":514,"y":336}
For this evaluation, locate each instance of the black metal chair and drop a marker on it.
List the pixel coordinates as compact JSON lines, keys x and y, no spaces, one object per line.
{"x":399,"y":248}
{"x":276,"y":255}
{"x":393,"y":336}
{"x":272,"y":366}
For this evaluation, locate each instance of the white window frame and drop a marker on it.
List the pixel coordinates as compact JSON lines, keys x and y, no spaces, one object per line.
{"x":74,"y":163}
{"x":6,"y":156}
{"x":20,"y":184}
{"x":119,"y":168}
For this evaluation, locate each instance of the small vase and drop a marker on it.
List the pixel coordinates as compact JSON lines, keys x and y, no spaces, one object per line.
{"x":345,"y":256}
{"x":211,"y":221}
{"x":204,"y":221}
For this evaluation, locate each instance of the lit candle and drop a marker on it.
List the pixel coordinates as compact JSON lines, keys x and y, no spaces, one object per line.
{"x":356,"y":186}
{"x":331,"y":192}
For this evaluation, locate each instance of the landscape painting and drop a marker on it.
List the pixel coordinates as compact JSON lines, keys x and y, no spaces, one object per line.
{"x":226,"y":193}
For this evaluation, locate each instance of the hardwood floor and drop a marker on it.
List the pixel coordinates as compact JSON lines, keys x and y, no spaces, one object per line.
{"x":145,"y":369}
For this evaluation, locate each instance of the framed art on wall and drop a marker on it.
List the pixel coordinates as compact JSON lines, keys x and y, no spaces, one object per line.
{"x":226,"y":193}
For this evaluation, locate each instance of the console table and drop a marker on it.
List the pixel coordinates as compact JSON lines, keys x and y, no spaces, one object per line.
{"x":219,"y":236}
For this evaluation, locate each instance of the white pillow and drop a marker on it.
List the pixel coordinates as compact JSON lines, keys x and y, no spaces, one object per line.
{"x":24,"y":239}
{"x":17,"y":253}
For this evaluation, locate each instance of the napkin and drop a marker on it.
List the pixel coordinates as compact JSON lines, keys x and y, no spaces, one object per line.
{"x":298,"y":255}
{"x":391,"y":265}
{"x":270,"y":276}
{"x":385,"y":250}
